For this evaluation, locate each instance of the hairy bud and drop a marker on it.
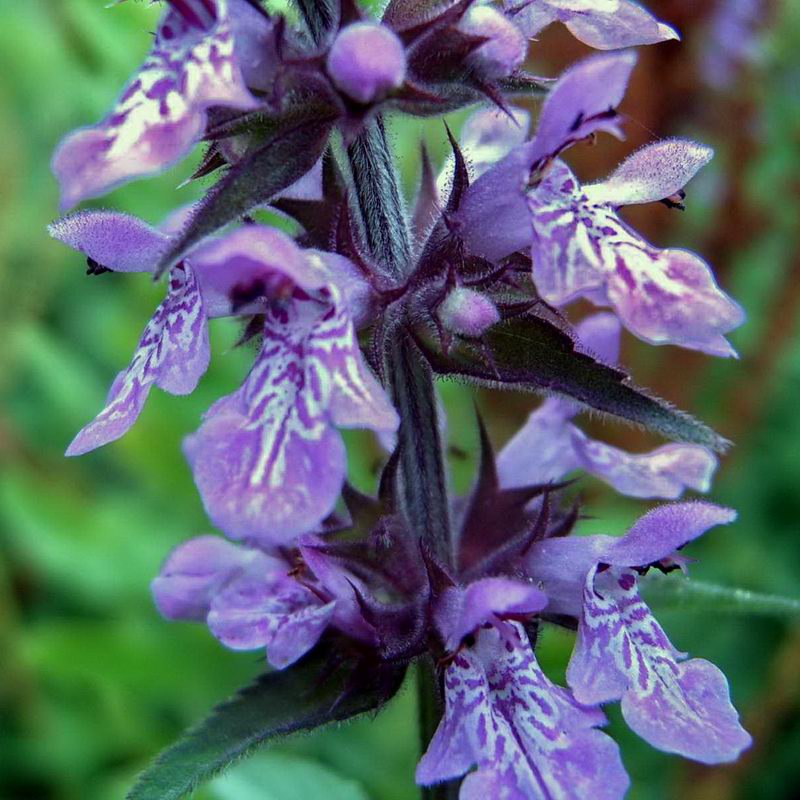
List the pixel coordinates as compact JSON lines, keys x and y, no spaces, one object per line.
{"x":467,"y":312}
{"x":505,"y":49}
{"x":367,"y":61}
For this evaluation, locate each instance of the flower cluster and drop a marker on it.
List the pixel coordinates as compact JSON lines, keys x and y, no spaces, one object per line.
{"x":498,"y":247}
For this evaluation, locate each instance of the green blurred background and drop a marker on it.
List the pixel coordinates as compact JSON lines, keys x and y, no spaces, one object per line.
{"x":93,"y":683}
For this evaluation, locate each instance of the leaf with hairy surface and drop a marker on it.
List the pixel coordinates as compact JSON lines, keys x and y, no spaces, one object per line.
{"x":315,"y":691}
{"x":529,"y":353}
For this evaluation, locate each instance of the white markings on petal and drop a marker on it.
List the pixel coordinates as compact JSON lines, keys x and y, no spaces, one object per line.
{"x":662,"y":296}
{"x":527,"y":736}
{"x":161,"y":114}
{"x":172,"y":353}
{"x":622,"y":652}
{"x":267,"y":460}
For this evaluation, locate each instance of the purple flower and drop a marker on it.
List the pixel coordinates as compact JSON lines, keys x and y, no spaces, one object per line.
{"x":528,"y":737}
{"x":173,"y":351}
{"x":549,"y":445}
{"x":582,"y":102}
{"x":602,"y":24}
{"x":249,"y":599}
{"x":201,"y":49}
{"x":581,"y":248}
{"x":621,"y":651}
{"x":367,"y":61}
{"x":268,"y":460}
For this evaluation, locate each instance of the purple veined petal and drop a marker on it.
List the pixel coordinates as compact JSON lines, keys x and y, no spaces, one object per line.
{"x":663,"y":530}
{"x":580,"y":103}
{"x":602,"y":24}
{"x":357,"y":399}
{"x":662,"y":296}
{"x":356,"y":292}
{"x":173,"y":353}
{"x":559,"y":566}
{"x":541,"y":450}
{"x":462,"y":610}
{"x":568,"y":239}
{"x":527,"y":736}
{"x":622,"y":652}
{"x":253,"y":261}
{"x":266,"y":460}
{"x":654,"y":172}
{"x":670,"y":297}
{"x":600,"y":334}
{"x":275,"y":612}
{"x":161,"y":113}
{"x":120,"y":242}
{"x":662,"y":473}
{"x":196,"y":570}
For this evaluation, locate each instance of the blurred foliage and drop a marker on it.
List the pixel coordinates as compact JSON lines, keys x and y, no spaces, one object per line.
{"x":94,"y":682}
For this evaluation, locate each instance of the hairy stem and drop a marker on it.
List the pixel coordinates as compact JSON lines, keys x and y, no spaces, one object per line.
{"x":422,"y":463}
{"x":318,"y":16}
{"x":379,"y":198}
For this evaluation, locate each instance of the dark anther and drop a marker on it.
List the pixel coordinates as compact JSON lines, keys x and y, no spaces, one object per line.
{"x":244,"y":294}
{"x":95,"y":268}
{"x":675,"y":200}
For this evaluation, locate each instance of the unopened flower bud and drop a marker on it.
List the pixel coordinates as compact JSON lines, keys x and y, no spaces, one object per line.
{"x":506,"y":48}
{"x":367,"y":61}
{"x":468,"y":313}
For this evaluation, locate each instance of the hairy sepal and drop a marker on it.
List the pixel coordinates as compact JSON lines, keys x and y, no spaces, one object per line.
{"x":283,"y":159}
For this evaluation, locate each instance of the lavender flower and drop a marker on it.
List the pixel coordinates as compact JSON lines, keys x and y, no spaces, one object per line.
{"x":582,"y":248}
{"x":579,"y":246}
{"x":250,"y":599}
{"x":197,"y":61}
{"x":267,"y":460}
{"x":602,"y":24}
{"x":621,"y":651}
{"x":527,"y":736}
{"x":351,"y":311}
{"x":272,"y":444}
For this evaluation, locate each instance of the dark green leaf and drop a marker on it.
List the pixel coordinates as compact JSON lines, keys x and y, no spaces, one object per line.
{"x":530,"y":353}
{"x":285,"y":156}
{"x":303,"y":697}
